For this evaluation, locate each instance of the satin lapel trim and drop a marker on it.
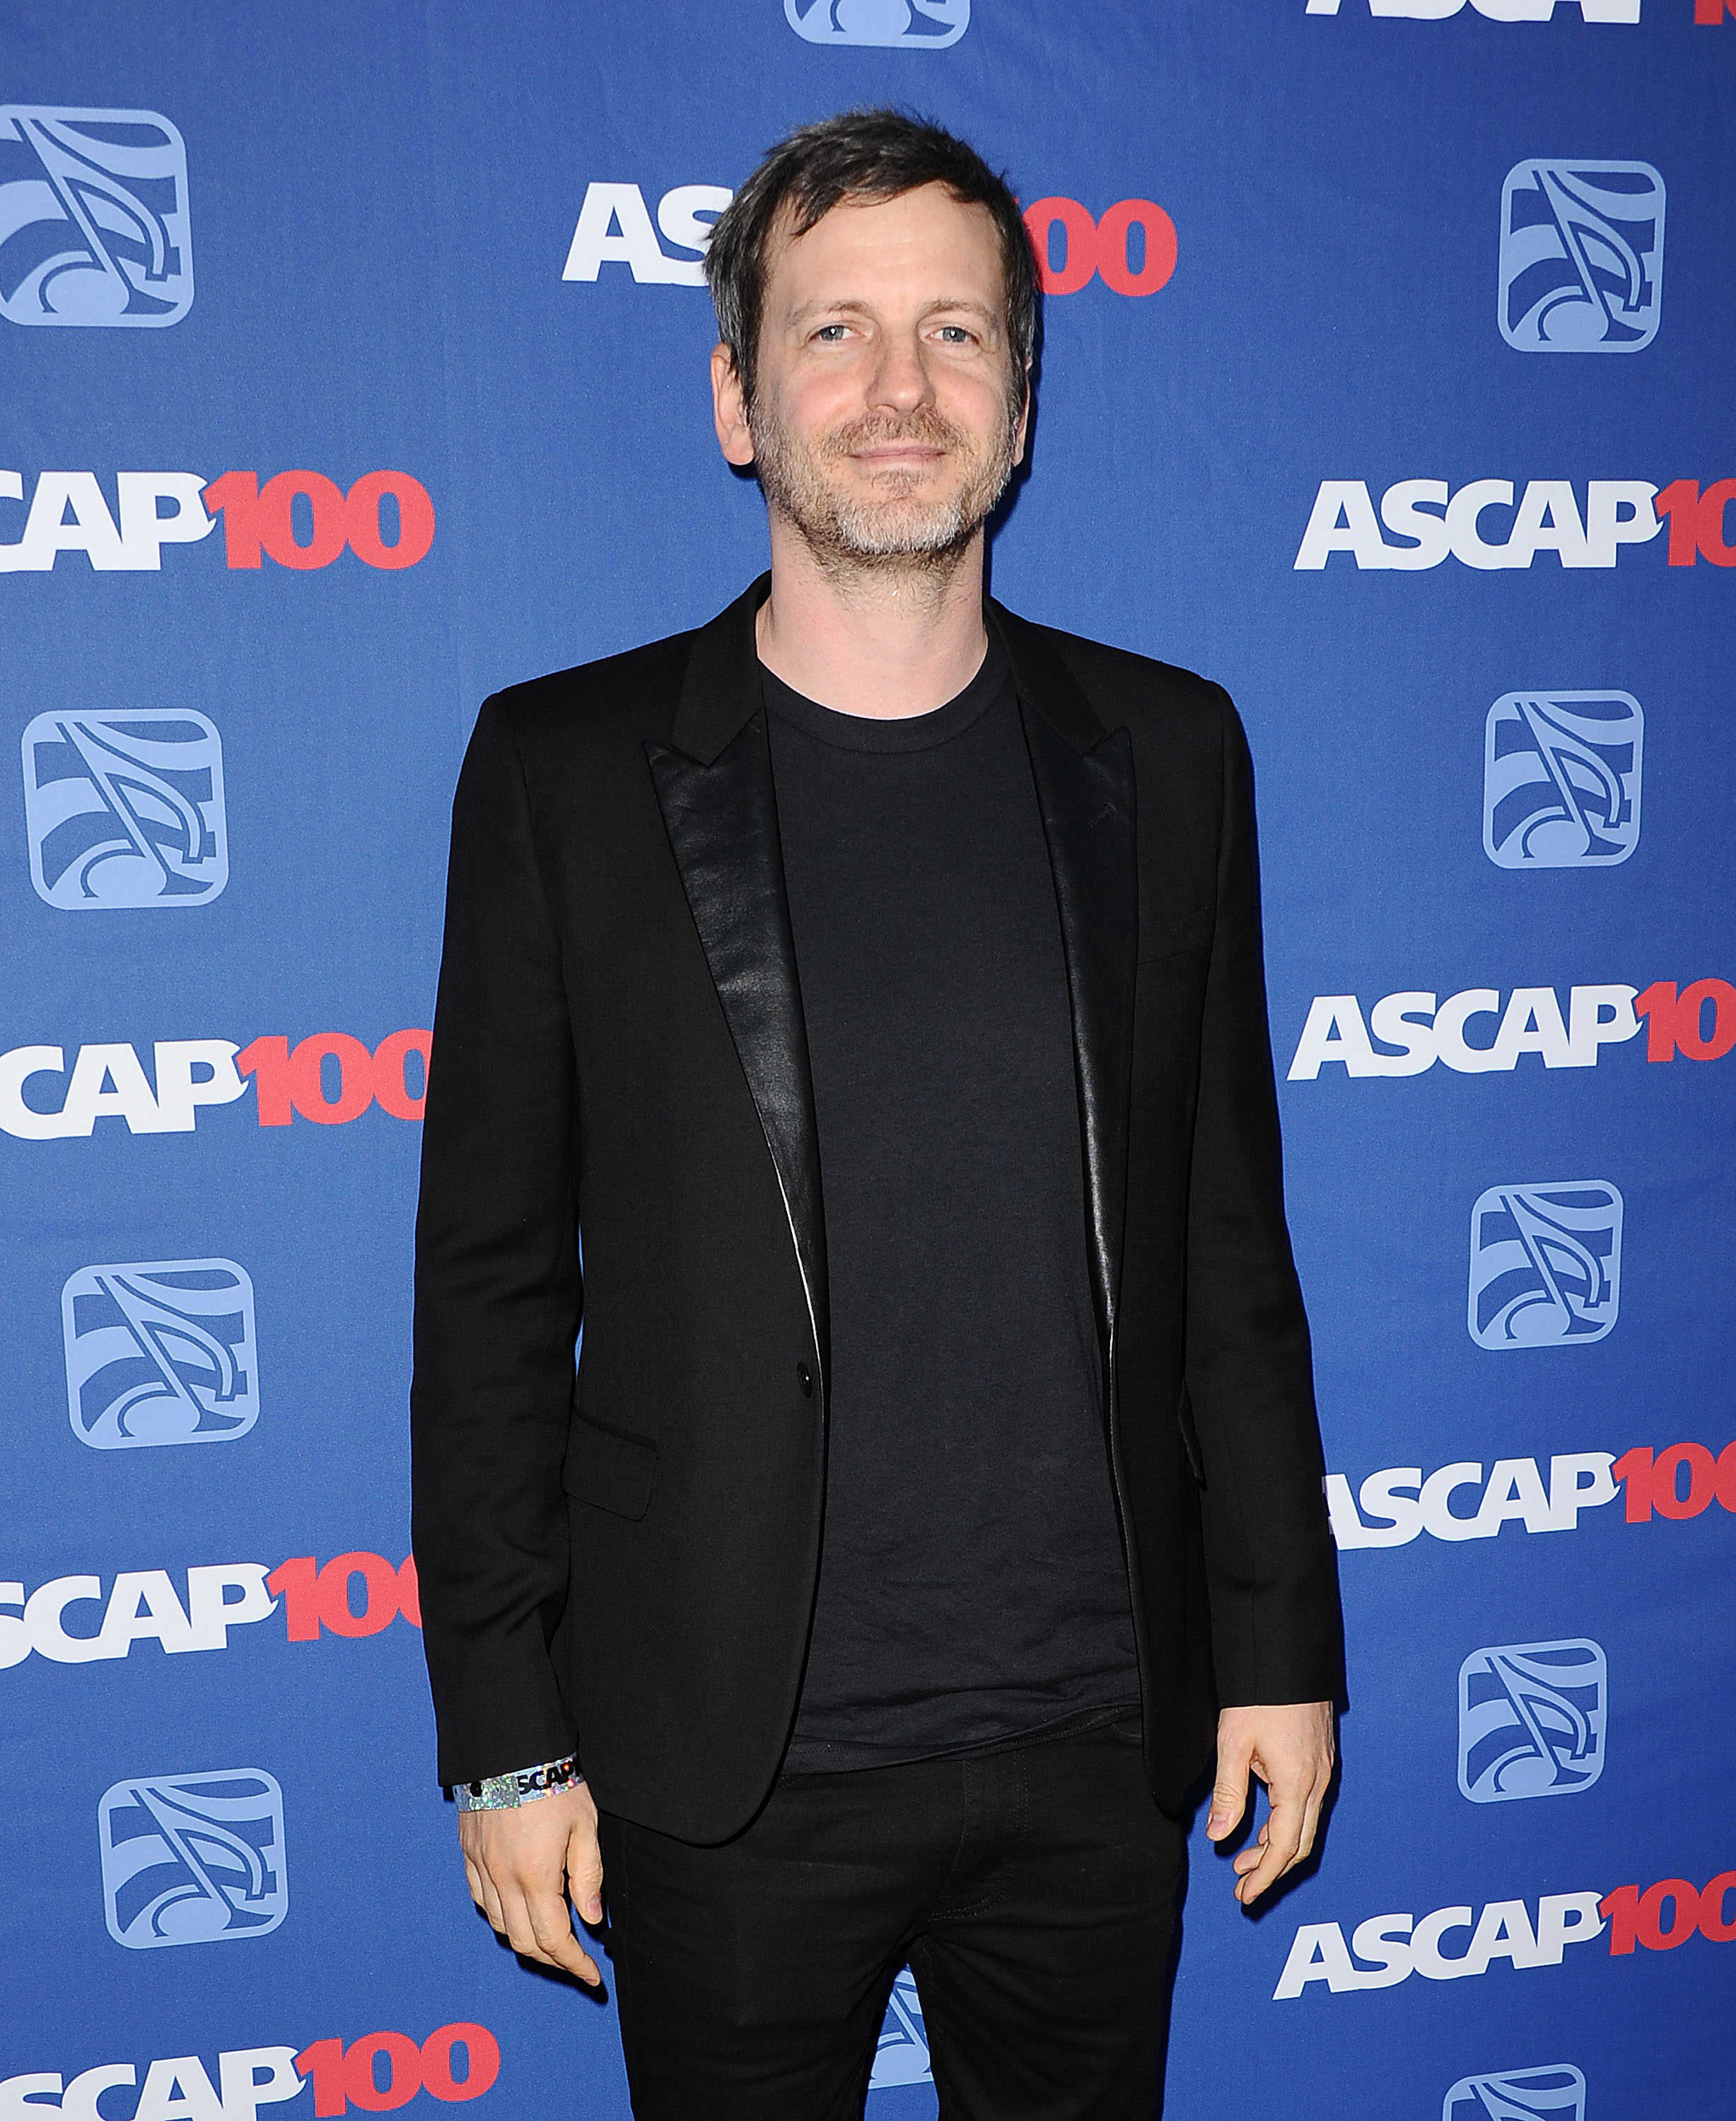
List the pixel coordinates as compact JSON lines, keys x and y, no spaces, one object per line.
{"x":721,"y":818}
{"x":1087,"y":801}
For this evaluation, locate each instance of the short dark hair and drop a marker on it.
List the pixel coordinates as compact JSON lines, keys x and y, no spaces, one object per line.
{"x":876,"y":154}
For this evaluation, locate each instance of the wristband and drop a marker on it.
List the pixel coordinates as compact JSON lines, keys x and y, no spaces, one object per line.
{"x":503,"y":1793}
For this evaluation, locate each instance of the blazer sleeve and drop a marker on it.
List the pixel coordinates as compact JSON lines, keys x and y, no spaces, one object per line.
{"x":1271,"y":1565}
{"x":498,"y":1293}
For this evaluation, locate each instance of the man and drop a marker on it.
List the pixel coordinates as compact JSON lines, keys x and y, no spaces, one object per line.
{"x":873,"y":980}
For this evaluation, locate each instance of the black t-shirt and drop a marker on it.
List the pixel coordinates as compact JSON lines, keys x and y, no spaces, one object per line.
{"x":973,"y":1589}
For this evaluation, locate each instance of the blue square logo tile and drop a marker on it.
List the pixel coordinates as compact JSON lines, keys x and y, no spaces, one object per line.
{"x":125,"y":809}
{"x":1545,"y":1264}
{"x":1581,"y":256}
{"x":914,"y":24}
{"x":193,"y":1859}
{"x":1562,"y":780}
{"x":93,"y":217}
{"x":1555,"y":2092}
{"x":1531,"y":1720}
{"x":901,"y":2054}
{"x":160,"y":1352}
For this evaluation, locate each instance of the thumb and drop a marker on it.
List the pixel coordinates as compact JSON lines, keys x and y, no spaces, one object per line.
{"x":1229,"y":1793}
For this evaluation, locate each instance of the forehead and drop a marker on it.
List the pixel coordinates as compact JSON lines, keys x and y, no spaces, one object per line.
{"x":922,"y":245}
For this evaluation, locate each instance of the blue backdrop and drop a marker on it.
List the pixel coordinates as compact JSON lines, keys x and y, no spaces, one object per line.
{"x":355,"y":365}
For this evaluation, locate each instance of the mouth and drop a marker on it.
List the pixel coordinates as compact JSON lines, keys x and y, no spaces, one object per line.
{"x":899,"y":456}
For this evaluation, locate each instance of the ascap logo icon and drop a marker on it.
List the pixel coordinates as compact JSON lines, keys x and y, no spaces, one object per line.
{"x":1546,"y":1265}
{"x":160,"y":1353}
{"x":1581,"y":257}
{"x":916,"y":24}
{"x":1562,"y":780}
{"x":901,"y":2053}
{"x":125,"y":809}
{"x":93,"y":217}
{"x":1555,"y":2091}
{"x":1531,"y":1720}
{"x":193,"y":1859}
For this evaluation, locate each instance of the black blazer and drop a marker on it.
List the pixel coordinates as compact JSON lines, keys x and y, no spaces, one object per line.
{"x":626,"y":1563}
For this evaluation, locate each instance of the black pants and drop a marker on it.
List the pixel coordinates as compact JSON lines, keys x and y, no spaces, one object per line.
{"x":1033,"y":1892}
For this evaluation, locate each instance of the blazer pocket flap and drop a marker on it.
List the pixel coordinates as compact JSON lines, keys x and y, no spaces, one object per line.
{"x":609,"y":1469}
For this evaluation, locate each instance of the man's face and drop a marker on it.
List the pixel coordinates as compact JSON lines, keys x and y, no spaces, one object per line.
{"x":886,"y":420}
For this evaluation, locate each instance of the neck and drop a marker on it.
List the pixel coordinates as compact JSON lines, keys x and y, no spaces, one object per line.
{"x":883,"y":642}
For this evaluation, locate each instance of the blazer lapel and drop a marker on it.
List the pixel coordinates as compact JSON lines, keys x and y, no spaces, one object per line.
{"x":714,"y":787}
{"x":1085,"y":791}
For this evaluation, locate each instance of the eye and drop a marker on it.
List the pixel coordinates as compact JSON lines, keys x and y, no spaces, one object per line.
{"x":956,"y":335}
{"x":832,"y":334}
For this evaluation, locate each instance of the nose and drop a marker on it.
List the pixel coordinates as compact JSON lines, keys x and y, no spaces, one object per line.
{"x":900,"y":380}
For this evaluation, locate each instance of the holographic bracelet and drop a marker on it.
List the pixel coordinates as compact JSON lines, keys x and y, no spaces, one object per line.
{"x":502,"y":1792}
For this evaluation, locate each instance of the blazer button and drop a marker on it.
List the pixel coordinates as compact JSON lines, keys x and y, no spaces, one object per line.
{"x":805,"y":1378}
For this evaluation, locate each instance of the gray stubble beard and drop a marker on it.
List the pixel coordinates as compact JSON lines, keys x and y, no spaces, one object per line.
{"x":851,"y":541}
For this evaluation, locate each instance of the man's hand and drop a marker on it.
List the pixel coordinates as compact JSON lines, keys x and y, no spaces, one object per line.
{"x":525,"y":1862}
{"x":1291,"y":1749}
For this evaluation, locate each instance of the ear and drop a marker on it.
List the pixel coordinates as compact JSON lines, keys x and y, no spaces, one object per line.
{"x":1021,"y":431}
{"x":729,"y":408}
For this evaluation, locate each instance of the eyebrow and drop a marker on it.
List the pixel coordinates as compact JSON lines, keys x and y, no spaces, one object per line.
{"x":858,"y":303}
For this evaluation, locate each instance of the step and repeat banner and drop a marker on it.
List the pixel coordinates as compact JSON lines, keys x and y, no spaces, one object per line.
{"x":354,"y":365}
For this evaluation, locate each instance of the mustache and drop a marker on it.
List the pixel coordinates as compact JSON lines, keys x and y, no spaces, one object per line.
{"x":926,"y":428}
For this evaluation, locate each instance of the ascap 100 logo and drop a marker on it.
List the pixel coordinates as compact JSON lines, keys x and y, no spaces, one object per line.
{"x":93,"y":217}
{"x":1132,"y":246}
{"x":1418,"y":1028}
{"x":1707,"y":12}
{"x":377,"y":2072}
{"x":300,"y":519}
{"x":1547,"y":517}
{"x":1397,"y":1504}
{"x":329,"y":1077}
{"x":142,"y":1605}
{"x":1497,"y":11}
{"x":1395,"y":1946}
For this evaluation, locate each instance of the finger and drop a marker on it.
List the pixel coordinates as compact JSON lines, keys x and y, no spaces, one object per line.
{"x":547,"y":1930}
{"x":518,"y":1927}
{"x":1228,"y":1791}
{"x":1281,"y":1839}
{"x":584,"y":1873}
{"x":490,"y":1901}
{"x":1310,"y":1825}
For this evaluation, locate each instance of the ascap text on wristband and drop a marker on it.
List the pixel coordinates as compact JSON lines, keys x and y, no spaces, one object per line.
{"x":501,"y":1793}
